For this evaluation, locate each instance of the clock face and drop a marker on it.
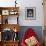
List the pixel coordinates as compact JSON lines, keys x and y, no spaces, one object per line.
{"x":5,"y":12}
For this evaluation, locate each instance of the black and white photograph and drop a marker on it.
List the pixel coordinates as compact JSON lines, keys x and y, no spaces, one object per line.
{"x":30,"y":13}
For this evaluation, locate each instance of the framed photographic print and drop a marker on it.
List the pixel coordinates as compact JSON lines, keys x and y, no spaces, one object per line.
{"x":5,"y":12}
{"x":30,"y":13}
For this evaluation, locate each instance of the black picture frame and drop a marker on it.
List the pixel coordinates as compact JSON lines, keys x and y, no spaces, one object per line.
{"x":30,"y":13}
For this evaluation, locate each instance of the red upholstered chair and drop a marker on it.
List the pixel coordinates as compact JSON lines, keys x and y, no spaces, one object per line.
{"x":29,"y":33}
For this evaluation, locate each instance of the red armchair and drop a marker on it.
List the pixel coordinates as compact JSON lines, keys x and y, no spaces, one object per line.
{"x":28,"y":34}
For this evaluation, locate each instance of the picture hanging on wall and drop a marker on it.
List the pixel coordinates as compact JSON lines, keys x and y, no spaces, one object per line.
{"x":30,"y":13}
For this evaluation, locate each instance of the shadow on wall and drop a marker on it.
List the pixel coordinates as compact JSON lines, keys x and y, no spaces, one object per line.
{"x":37,"y":29}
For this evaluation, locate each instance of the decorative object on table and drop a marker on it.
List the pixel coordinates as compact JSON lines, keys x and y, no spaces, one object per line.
{"x":30,"y":13}
{"x":30,"y":38}
{"x":13,"y":12}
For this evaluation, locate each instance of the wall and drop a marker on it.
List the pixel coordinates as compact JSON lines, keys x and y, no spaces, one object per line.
{"x":39,"y":13}
{"x":25,"y":3}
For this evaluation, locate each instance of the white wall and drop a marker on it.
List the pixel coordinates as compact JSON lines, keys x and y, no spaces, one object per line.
{"x":27,"y":3}
{"x":39,"y":12}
